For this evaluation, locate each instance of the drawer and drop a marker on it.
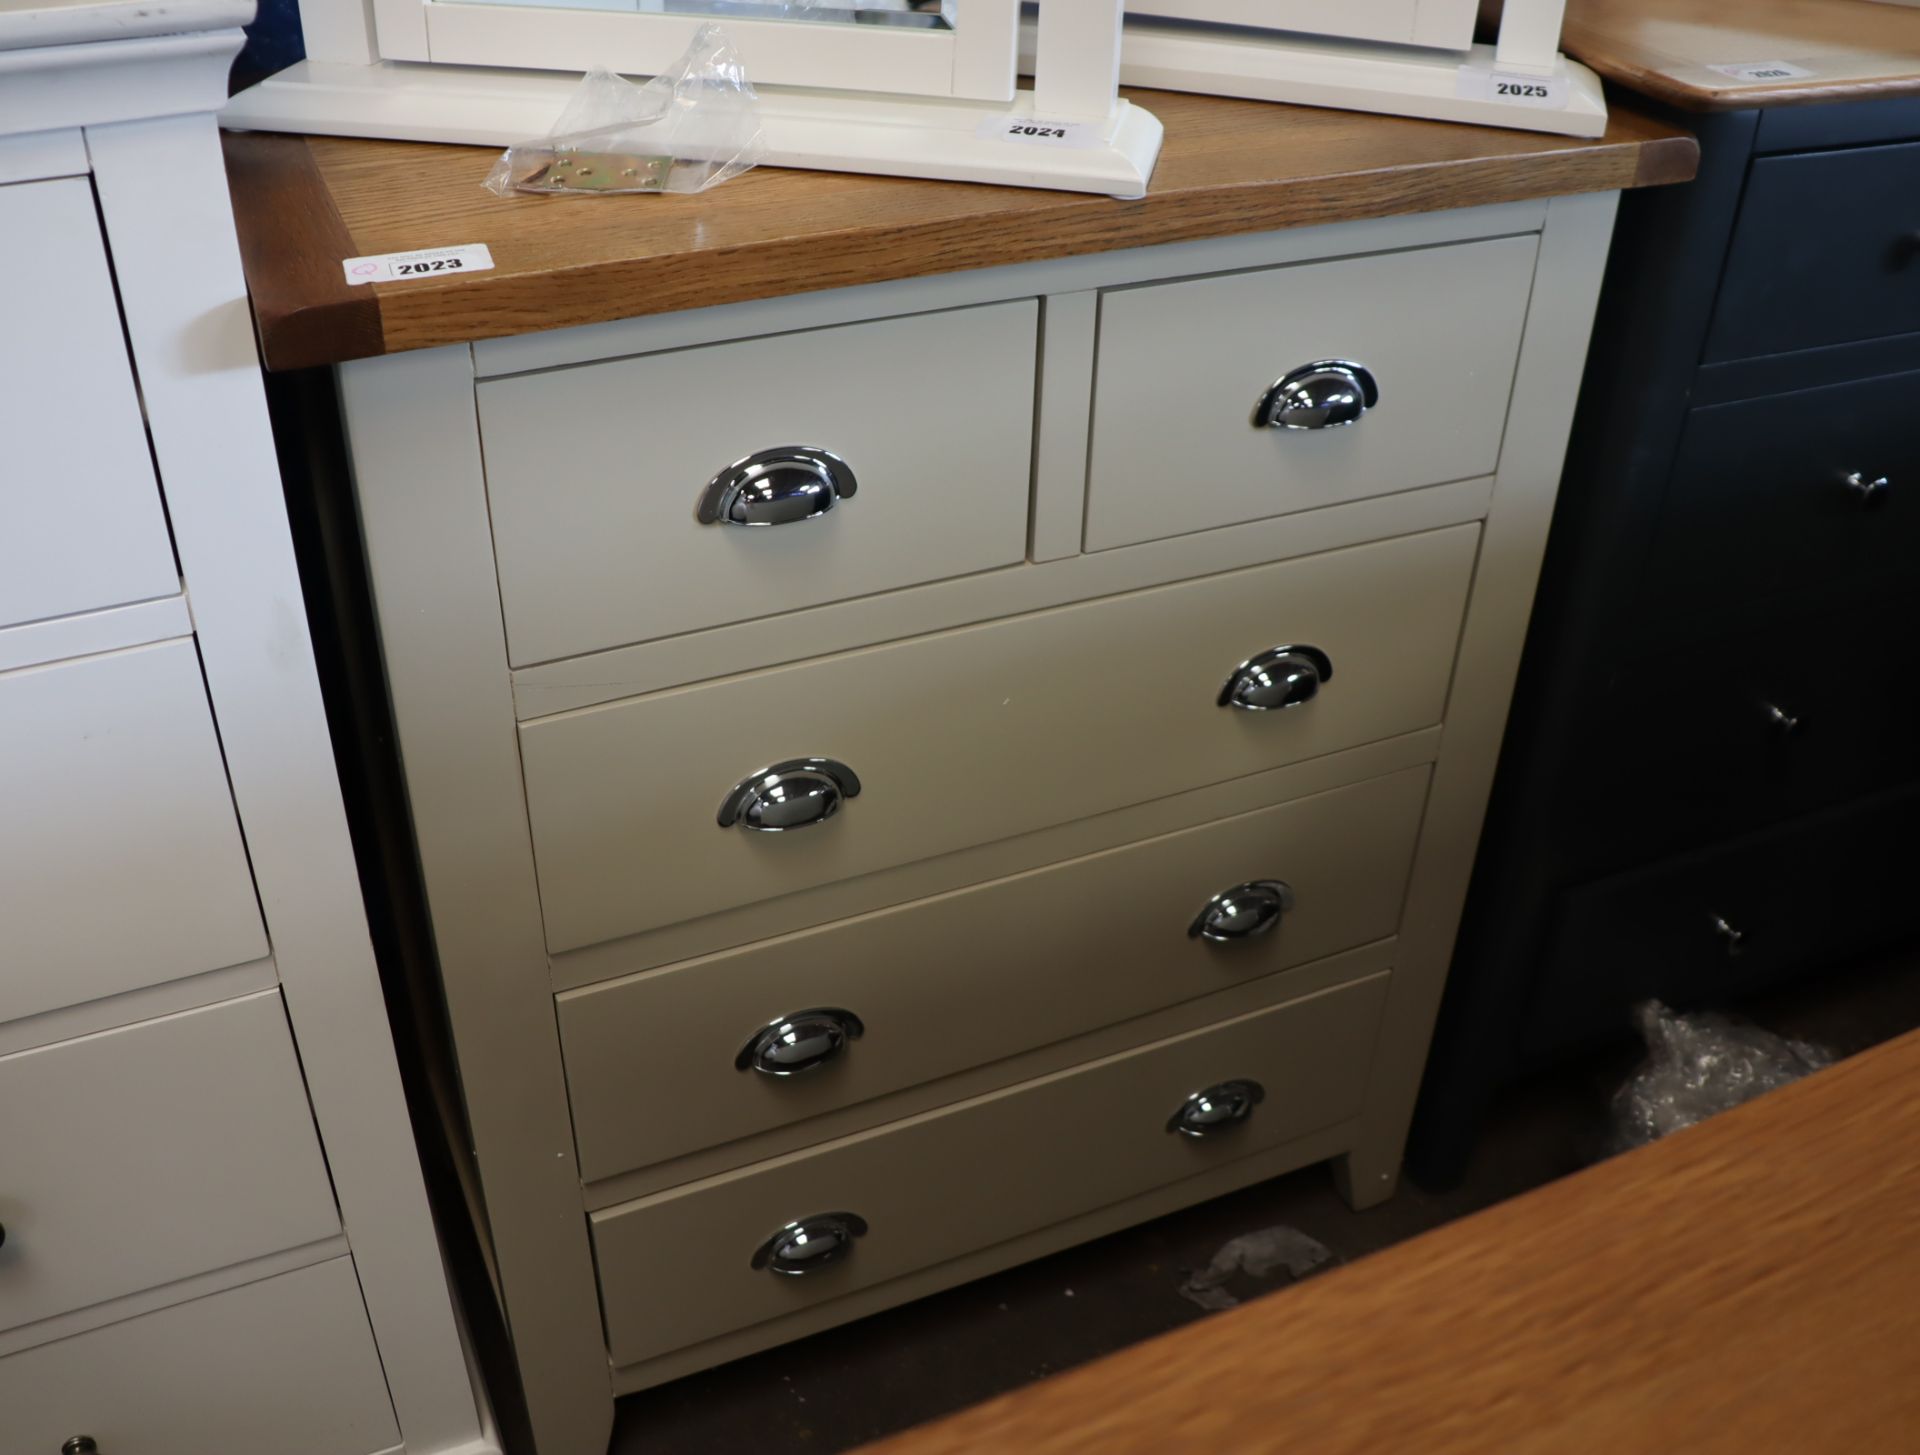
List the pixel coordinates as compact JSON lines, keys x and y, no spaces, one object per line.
{"x":286,"y":1365}
{"x":1803,"y":896}
{"x":677,"y":1268}
{"x":121,"y":865}
{"x":595,"y":475}
{"x":964,"y":979}
{"x":1183,"y":368}
{"x":1824,"y":252}
{"x":1748,"y":729}
{"x":974,"y":735}
{"x":152,"y":1153}
{"x":1775,"y":494}
{"x":81,"y":525}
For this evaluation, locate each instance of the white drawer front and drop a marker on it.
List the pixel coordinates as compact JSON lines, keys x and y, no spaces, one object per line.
{"x":978,"y":734}
{"x":121,"y":864}
{"x":80,"y":519}
{"x":148,"y":1154}
{"x":677,"y":1268}
{"x":285,"y":1366}
{"x":595,"y":474}
{"x":1183,"y":366}
{"x":960,"y":980}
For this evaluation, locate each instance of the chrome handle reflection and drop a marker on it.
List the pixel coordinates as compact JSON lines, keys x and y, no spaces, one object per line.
{"x":810,"y":1244}
{"x":801,"y":1042}
{"x":1206,"y":1113}
{"x":1732,"y":940}
{"x":1869,"y":491}
{"x":777,"y":487}
{"x":1326,"y":394}
{"x":1284,"y":676}
{"x":795,"y":794}
{"x":1242,"y":912}
{"x":1787,"y":724}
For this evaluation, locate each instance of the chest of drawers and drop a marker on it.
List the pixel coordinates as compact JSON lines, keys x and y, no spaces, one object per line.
{"x":905,"y":777}
{"x":1707,"y":786}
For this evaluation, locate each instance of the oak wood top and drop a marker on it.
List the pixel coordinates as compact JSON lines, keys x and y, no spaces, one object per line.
{"x":1750,"y":1285}
{"x":303,"y":204}
{"x":1856,"y":49}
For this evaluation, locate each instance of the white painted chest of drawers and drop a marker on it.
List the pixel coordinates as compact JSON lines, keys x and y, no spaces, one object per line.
{"x":214,"y":1235}
{"x":1055,"y":934}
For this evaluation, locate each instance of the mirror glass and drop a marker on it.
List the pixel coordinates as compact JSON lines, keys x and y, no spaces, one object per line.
{"x":899,"y":14}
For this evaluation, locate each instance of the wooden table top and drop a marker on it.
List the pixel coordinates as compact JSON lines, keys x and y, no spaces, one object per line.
{"x":1855,"y":50}
{"x":1750,"y":1285}
{"x":303,"y":204}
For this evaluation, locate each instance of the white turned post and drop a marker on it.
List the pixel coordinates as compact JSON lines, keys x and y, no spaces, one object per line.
{"x":1530,"y":36}
{"x":1076,"y":74}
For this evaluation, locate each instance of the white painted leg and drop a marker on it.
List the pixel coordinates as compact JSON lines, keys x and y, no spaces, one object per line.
{"x":1367,"y":1176}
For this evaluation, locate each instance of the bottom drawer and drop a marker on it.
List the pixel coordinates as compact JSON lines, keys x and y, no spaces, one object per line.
{"x":680,"y":1267}
{"x":285,"y":1366}
{"x":1711,"y":925}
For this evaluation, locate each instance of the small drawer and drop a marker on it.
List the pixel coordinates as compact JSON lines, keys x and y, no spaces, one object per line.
{"x":1826,"y":251}
{"x":640,"y":809}
{"x":680,"y":1267}
{"x":140,"y":1156}
{"x":81,"y":525}
{"x":121,"y":865}
{"x":1790,"y":491}
{"x":926,"y":989}
{"x":889,"y":453}
{"x":285,"y":1366}
{"x":1711,"y":925}
{"x":1186,"y":371}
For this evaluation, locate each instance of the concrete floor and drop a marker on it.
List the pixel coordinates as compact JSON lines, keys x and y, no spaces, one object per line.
{"x":870,"y":1378}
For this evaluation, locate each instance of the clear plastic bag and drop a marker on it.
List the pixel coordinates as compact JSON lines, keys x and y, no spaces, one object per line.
{"x":1255,"y":1254}
{"x":1700,"y":1065}
{"x":691,"y":127}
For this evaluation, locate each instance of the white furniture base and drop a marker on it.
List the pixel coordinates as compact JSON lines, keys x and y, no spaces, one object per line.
{"x":818,"y":130}
{"x":1355,"y":76}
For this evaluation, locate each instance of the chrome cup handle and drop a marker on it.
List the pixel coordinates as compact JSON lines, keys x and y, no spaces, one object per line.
{"x":795,"y":794}
{"x":1210,"y":1112}
{"x":1326,"y":394}
{"x":1243,"y":912}
{"x":809,"y":1244}
{"x":777,"y":487}
{"x":801,"y":1042}
{"x":1284,"y":676}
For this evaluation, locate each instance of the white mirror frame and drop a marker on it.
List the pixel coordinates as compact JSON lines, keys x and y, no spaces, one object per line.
{"x":493,"y":74}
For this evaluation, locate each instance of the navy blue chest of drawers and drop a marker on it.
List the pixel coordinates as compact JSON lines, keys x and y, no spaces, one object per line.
{"x":1711,"y":776}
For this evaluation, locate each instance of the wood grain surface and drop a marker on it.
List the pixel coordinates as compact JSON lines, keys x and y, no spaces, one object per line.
{"x":1663,"y":48}
{"x":1750,"y":1285}
{"x":1228,"y":167}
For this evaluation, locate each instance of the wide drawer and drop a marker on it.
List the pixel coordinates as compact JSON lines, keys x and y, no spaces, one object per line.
{"x":285,"y":1366}
{"x":81,"y":524}
{"x":678,"y":1268}
{"x":1825,"y":252}
{"x":148,"y":1154}
{"x":1183,"y":368}
{"x":963,"y":979}
{"x":595,"y":475}
{"x":121,"y":864}
{"x":977,"y":734}
{"x":1790,"y":491}
{"x":1707,"y":926}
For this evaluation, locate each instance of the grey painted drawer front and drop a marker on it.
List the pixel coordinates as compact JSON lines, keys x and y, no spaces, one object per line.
{"x":144,"y":1155}
{"x":676,"y":1268}
{"x":963,"y":979}
{"x":981,"y":733}
{"x":594,"y":474}
{"x":285,"y":1366}
{"x":1182,"y":366}
{"x":122,"y":864}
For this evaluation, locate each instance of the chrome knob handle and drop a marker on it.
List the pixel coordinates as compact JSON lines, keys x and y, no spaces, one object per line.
{"x":1734,"y":941}
{"x":795,"y":794}
{"x":803,"y":1041}
{"x":80,"y":1445}
{"x":810,"y":1244}
{"x":1326,"y":394}
{"x":777,"y":487}
{"x":1242,"y":912}
{"x":1869,"y":492}
{"x":1787,"y":724}
{"x":1206,"y":1113}
{"x":1279,"y":677}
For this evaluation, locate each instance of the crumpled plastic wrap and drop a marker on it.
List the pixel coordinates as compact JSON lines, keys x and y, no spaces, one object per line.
{"x":1699,"y":1065}
{"x":692,"y":127}
{"x":1256,"y":1254}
